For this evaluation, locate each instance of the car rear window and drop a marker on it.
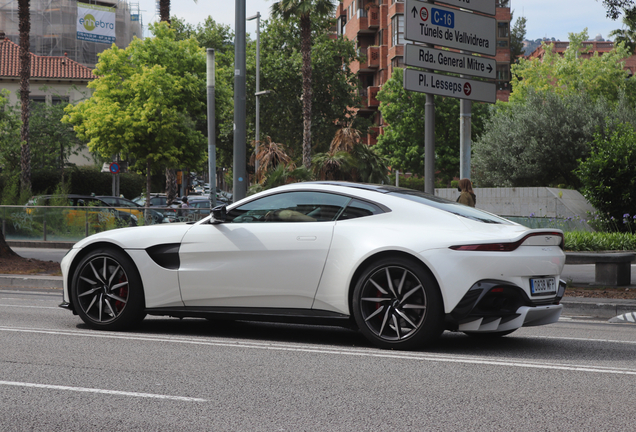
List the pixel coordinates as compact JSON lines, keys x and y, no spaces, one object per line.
{"x":449,"y":206}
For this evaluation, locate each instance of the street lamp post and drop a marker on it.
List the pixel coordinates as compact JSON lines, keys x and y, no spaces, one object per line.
{"x":257,"y":17}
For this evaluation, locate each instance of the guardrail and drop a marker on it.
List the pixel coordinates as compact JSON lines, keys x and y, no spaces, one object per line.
{"x":65,"y":223}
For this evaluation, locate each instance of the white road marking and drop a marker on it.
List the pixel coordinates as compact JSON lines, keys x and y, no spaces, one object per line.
{"x":102,"y":391}
{"x":33,"y":307}
{"x":361,"y":352}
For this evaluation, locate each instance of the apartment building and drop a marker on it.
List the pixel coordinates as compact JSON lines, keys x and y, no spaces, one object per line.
{"x":377,"y":27}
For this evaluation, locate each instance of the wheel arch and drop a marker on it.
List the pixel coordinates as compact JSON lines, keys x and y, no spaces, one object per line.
{"x":80,"y":256}
{"x":387,"y":254}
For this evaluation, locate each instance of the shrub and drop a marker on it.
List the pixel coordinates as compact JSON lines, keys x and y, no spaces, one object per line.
{"x":607,"y":176}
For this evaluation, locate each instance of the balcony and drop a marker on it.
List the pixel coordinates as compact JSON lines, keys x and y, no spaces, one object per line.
{"x":374,"y":17}
{"x":373,"y":57}
{"x":371,"y":96}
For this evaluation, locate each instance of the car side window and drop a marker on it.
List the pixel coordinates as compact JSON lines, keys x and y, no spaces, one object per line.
{"x":357,"y":209}
{"x":303,"y":206}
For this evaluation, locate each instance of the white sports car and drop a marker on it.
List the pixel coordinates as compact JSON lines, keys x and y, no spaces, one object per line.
{"x":400,"y":265}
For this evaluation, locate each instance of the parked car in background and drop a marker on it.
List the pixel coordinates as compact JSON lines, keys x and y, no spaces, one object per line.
{"x":160,"y":202}
{"x":103,"y":212}
{"x":124,"y":204}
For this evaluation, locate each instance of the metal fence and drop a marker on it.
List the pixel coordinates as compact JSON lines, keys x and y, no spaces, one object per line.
{"x":57,"y":223}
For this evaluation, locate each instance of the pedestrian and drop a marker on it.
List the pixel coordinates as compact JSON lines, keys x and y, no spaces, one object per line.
{"x":467,"y":196}
{"x":184,"y":202}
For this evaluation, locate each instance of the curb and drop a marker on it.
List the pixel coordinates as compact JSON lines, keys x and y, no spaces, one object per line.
{"x":596,"y":308}
{"x":35,"y":282}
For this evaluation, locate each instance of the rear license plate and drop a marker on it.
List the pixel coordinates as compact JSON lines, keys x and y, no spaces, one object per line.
{"x":543,"y":286}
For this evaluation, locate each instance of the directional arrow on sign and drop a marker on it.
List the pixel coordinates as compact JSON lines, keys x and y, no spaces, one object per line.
{"x":448,"y":61}
{"x":449,"y":86}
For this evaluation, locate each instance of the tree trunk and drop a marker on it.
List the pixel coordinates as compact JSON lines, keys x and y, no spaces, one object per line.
{"x":25,"y":74}
{"x":5,"y":250}
{"x":305,"y":48}
{"x":164,"y":10}
{"x":171,"y":185}
{"x":148,"y":183}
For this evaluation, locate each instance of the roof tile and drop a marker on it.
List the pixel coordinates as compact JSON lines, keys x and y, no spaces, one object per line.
{"x":57,"y":67}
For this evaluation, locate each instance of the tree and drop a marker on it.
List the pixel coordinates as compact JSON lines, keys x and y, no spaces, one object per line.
{"x":24,"y":18}
{"x":146,"y":103}
{"x":627,"y":34}
{"x":517,"y":36}
{"x":403,"y":139}
{"x":607,"y":175}
{"x":596,"y":75}
{"x":335,"y":89}
{"x":539,"y":141}
{"x":211,"y":34}
{"x":9,"y":133}
{"x":616,"y":7}
{"x":302,"y":10}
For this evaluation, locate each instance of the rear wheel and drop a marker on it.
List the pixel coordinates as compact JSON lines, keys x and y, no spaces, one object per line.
{"x":107,"y":291}
{"x":397,"y":304}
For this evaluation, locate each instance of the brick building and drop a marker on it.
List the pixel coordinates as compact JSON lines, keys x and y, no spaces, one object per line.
{"x":377,"y":27}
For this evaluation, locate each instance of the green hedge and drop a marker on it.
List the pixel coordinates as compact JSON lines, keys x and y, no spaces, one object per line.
{"x":582,"y":241}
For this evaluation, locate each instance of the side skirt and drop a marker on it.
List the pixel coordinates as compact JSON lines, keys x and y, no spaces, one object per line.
{"x":296,"y":316}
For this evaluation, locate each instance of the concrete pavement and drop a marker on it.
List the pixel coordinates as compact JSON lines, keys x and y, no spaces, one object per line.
{"x":575,"y":275}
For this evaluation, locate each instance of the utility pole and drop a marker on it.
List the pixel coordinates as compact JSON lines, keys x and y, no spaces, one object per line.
{"x":240,"y":152}
{"x":211,"y":125}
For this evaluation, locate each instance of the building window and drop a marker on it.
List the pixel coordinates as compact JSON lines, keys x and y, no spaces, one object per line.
{"x":397,"y":26}
{"x":38,"y":99}
{"x":397,"y":62}
{"x":342,"y":22}
{"x":503,"y":34}
{"x":503,"y":72}
{"x":503,"y":29}
{"x":56,"y":100}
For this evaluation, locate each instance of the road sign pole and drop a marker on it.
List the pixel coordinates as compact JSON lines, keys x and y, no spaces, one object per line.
{"x":429,"y":141}
{"x":465,"y":142}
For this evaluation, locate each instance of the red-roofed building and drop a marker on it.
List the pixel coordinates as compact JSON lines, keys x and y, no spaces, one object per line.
{"x":53,"y":79}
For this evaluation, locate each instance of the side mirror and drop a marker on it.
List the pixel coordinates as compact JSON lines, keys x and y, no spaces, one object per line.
{"x":219,"y":214}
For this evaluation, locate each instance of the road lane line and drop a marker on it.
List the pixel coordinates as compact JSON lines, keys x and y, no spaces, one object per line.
{"x":32,"y":307}
{"x":441,"y":358}
{"x":102,"y":391}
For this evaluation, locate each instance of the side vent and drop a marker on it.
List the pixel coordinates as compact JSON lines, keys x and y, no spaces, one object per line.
{"x":165,"y":255}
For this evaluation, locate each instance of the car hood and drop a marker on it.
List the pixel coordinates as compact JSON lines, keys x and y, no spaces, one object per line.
{"x":139,"y":237}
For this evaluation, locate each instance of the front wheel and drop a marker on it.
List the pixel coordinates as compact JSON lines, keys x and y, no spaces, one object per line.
{"x":107,"y":291}
{"x":397,"y":304}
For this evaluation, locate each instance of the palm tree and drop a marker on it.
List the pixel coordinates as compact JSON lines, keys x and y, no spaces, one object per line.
{"x":303,"y":10}
{"x":24,"y":17}
{"x":270,"y":155}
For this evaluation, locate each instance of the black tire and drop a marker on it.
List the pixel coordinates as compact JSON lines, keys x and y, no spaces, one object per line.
{"x":489,"y":335}
{"x":381,"y":310}
{"x":107,"y":291}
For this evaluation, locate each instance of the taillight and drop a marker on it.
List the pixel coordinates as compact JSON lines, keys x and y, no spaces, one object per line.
{"x":505,"y":247}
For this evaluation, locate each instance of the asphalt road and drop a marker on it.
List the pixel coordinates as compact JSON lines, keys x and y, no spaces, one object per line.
{"x":196,"y":375}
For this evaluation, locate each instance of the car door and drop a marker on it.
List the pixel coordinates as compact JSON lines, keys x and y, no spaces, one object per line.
{"x":270,"y":253}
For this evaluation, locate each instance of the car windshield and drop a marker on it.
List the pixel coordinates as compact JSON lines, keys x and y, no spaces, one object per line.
{"x":449,"y":206}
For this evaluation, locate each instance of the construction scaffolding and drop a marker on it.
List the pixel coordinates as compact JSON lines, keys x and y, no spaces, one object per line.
{"x":54,"y":27}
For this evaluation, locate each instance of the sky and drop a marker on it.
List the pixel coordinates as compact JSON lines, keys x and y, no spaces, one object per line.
{"x":545,"y":18}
